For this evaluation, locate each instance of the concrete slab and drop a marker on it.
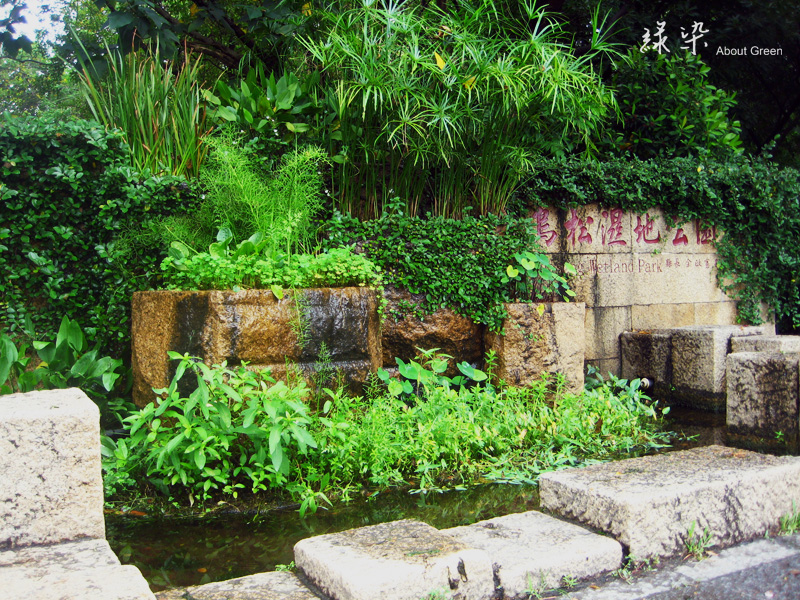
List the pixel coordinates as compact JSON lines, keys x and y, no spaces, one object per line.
{"x":51,"y":488}
{"x":649,"y":503}
{"x":535,"y":552}
{"x":763,"y":397}
{"x":80,"y":570}
{"x":262,"y":586}
{"x":402,"y":560}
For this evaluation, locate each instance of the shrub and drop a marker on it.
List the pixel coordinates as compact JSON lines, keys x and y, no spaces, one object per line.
{"x":66,"y":195}
{"x":669,"y":109}
{"x":463,"y":264}
{"x":217,"y":270}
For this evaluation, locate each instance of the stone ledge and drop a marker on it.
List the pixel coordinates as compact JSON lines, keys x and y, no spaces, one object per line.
{"x":649,"y":503}
{"x":402,"y":560}
{"x":52,"y":486}
{"x":81,"y":570}
{"x":524,"y":564}
{"x":262,"y":586}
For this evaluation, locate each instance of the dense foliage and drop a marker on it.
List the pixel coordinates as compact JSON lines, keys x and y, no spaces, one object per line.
{"x":242,"y":432}
{"x":66,"y":194}
{"x":445,"y":107}
{"x":753,"y":201}
{"x":247,"y":267}
{"x":462,"y":264}
{"x":668,"y":108}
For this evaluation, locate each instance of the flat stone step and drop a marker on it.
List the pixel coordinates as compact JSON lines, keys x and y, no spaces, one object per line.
{"x":532,"y":551}
{"x":79,"y":570}
{"x":650,"y":503}
{"x":402,"y":560}
{"x":262,"y":586}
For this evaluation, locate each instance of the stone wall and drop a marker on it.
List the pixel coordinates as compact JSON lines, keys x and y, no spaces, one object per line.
{"x":636,"y":272}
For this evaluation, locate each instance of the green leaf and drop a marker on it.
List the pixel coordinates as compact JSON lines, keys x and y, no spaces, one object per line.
{"x":511,"y":272}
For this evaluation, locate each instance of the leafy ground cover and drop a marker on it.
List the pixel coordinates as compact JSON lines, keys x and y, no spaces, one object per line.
{"x":241,"y":433}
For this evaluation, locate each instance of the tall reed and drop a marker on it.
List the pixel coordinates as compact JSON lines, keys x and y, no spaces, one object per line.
{"x":157,"y":104}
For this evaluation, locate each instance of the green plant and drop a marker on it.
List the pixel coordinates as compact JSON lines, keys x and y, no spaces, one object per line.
{"x":238,"y":429}
{"x":246,"y":198}
{"x":300,"y":323}
{"x":446,"y":107}
{"x":158,"y":106}
{"x":418,"y":378}
{"x":286,"y":568}
{"x":241,"y":433}
{"x":63,"y":363}
{"x":535,"y":278}
{"x":569,"y":581}
{"x":455,"y":263}
{"x":697,"y":544}
{"x":274,"y":110}
{"x":67,"y":196}
{"x":248,"y":268}
{"x":668,"y":108}
{"x":790,"y":523}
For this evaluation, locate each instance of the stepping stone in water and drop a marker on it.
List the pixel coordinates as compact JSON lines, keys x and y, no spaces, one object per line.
{"x":534,"y":552}
{"x":402,"y":560}
{"x":262,"y":586}
{"x":650,"y":503}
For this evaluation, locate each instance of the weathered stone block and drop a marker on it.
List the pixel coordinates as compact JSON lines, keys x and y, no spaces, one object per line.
{"x":257,"y":327}
{"x":404,"y":332}
{"x":766,"y":343}
{"x":262,"y":586}
{"x":698,"y":363}
{"x":51,"y":487}
{"x":403,"y":560}
{"x":535,"y":342}
{"x":649,"y":503}
{"x":80,"y":570}
{"x":763,"y":395}
{"x":648,"y":354}
{"x":524,"y":564}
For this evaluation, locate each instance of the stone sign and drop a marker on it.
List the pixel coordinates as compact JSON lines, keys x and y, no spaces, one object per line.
{"x":635,"y":272}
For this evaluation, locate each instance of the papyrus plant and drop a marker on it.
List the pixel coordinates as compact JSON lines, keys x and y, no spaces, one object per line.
{"x":450,"y":106}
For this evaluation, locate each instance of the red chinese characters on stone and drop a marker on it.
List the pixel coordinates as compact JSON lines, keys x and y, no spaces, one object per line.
{"x":680,"y":238}
{"x":705,"y":235}
{"x":577,"y":228}
{"x":612,"y":236}
{"x":542,"y":218}
{"x":644,"y":231}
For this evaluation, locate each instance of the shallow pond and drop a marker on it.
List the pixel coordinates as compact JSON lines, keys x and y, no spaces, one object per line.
{"x":183,"y":552}
{"x":173,"y":552}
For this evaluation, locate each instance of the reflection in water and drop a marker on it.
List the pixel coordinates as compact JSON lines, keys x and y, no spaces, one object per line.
{"x":183,"y":552}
